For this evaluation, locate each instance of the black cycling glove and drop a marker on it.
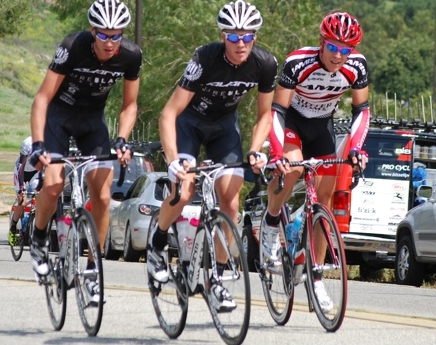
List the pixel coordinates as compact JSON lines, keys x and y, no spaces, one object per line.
{"x":120,"y":144}
{"x":38,"y":150}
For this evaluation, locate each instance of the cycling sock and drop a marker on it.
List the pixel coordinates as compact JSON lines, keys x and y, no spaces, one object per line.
{"x":220,"y":268}
{"x":272,"y":220}
{"x":39,"y":236}
{"x":160,"y":238}
{"x":90,"y":265}
{"x":317,"y":275}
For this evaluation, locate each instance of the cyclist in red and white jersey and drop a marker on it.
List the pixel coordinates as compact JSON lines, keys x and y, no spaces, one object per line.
{"x":71,"y":103}
{"x":312,"y":82}
{"x":202,"y":111}
{"x":24,"y":173}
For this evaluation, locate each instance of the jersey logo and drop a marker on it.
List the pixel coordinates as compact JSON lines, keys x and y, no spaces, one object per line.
{"x":61,"y":55}
{"x":193,"y":71}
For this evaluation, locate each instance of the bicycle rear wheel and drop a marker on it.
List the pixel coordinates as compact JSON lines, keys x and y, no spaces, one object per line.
{"x":170,"y":299}
{"x":88,"y":282}
{"x":332,"y":273}
{"x":232,"y":325}
{"x":56,"y":291}
{"x":276,"y":279}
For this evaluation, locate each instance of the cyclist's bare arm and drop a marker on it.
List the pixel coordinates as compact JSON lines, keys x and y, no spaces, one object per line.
{"x":178,"y":101}
{"x":43,"y":97}
{"x":127,"y":117}
{"x":263,"y":123}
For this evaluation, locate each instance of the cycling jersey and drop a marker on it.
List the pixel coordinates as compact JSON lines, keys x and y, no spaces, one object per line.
{"x":317,"y":91}
{"x":87,"y":81}
{"x":219,"y":85}
{"x":26,"y":150}
{"x":23,"y":174}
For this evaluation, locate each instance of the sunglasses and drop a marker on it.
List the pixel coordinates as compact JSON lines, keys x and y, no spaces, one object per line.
{"x":103,"y":37}
{"x":334,"y":48}
{"x":235,"y":38}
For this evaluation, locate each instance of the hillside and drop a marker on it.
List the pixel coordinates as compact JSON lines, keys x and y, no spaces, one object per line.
{"x":23,"y":63}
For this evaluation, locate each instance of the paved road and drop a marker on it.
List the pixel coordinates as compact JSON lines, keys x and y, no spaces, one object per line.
{"x":377,"y":313}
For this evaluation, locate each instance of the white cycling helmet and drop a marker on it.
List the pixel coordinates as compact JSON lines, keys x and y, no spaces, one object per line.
{"x":239,"y":15}
{"x":109,"y":14}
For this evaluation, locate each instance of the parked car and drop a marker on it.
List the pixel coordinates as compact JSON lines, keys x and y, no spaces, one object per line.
{"x":416,"y":241}
{"x":130,"y":218}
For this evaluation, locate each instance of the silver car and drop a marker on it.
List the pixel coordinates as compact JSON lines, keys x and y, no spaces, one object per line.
{"x":416,"y":241}
{"x":130,"y":219}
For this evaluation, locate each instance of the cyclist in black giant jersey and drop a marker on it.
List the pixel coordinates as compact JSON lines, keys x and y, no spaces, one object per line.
{"x":71,"y":102}
{"x":312,"y":82}
{"x":203,"y":111}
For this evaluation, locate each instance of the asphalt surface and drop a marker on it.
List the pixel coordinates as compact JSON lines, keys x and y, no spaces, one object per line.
{"x":376,"y":313}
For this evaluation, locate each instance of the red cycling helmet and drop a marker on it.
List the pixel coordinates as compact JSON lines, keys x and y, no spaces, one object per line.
{"x":342,"y":27}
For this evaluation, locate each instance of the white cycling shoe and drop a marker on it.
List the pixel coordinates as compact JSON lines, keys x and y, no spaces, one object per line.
{"x":270,"y":241}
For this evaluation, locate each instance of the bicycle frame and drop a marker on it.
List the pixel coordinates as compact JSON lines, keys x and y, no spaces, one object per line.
{"x":205,"y":184}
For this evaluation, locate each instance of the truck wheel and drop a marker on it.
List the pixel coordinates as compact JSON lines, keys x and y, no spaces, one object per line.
{"x":407,"y":270}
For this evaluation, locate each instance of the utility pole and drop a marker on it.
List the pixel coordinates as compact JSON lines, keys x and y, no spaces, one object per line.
{"x":138,"y":23}
{"x":434,"y":54}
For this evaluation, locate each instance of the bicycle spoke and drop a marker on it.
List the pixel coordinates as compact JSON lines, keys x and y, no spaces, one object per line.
{"x":56,"y":291}
{"x":276,"y":282}
{"x":170,"y":300}
{"x":232,"y":324}
{"x":332,"y":272}
{"x":88,"y":281}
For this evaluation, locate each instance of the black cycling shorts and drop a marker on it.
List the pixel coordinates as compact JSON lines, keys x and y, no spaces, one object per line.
{"x":221,"y":138}
{"x":88,"y":129}
{"x":317,"y":135}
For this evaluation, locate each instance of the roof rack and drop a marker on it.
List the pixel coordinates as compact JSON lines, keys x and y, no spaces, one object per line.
{"x":341,"y":125}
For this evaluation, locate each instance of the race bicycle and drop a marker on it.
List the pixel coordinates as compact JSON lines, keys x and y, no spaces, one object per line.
{"x":25,"y":225}
{"x":280,"y":277}
{"x":187,"y":278}
{"x":68,"y":266}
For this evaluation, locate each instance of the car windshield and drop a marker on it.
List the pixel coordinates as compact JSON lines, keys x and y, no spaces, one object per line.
{"x":135,"y":168}
{"x":389,"y":158}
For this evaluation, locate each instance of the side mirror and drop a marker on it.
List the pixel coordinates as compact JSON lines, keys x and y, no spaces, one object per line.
{"x":118,"y":196}
{"x":425,"y":191}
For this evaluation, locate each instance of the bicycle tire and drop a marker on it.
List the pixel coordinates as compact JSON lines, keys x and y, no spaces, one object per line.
{"x":170,"y":299}
{"x":333,"y":274}
{"x":86,"y":241}
{"x":276,"y":279}
{"x":17,"y":250}
{"x":56,"y":291}
{"x":231,"y":325}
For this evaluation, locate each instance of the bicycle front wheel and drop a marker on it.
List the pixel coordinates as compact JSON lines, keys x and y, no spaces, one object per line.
{"x":276,"y":279}
{"x":56,"y":291}
{"x":327,"y":282}
{"x":231,"y":322}
{"x":170,"y":299}
{"x":88,"y":280}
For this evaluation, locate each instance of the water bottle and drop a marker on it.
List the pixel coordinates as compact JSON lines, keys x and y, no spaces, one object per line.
{"x":24,"y":223}
{"x":182,"y":231}
{"x":293,"y":233}
{"x":63,"y":224}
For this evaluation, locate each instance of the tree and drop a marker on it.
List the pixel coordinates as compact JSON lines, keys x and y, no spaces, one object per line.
{"x":13,"y":16}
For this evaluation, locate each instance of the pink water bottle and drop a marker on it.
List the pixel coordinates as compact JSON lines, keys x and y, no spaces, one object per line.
{"x":63,"y":224}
